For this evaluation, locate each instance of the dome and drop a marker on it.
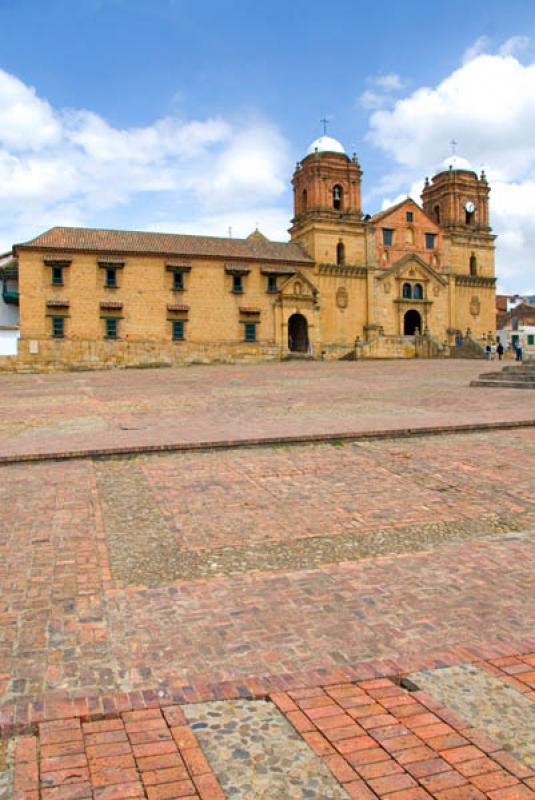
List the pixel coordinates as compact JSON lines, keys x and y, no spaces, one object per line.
{"x":455,"y":162}
{"x":326,"y":144}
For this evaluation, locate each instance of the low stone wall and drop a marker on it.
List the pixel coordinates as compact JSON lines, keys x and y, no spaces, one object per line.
{"x":49,"y":355}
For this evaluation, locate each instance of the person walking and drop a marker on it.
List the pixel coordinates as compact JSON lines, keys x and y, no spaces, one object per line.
{"x":499,"y":350}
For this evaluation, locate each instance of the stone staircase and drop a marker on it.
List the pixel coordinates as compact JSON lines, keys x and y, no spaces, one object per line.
{"x":518,"y":376}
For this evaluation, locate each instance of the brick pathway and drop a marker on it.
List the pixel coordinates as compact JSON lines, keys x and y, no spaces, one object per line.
{"x":376,"y":739}
{"x":138,"y":408}
{"x":130,"y":587}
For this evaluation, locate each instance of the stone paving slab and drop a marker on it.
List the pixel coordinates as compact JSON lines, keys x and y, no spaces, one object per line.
{"x":256,"y":753}
{"x":487,"y":703}
{"x":71,"y":412}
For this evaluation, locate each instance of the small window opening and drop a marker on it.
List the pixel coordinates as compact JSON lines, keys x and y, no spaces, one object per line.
{"x":178,"y":280}
{"x":178,"y":329}
{"x":57,"y":276}
{"x":305,"y":198}
{"x":469,"y":217}
{"x":111,"y":278}
{"x":237,"y":284}
{"x":410,"y":216}
{"x":250,"y":331}
{"x":407,"y":290}
{"x":272,"y":283}
{"x":338,"y":194}
{"x":58,"y":327}
{"x":418,"y":292}
{"x":430,"y":241}
{"x":388,"y":236}
{"x":340,"y":254}
{"x":437,"y":214}
{"x":111,"y":328}
{"x":473,"y":265}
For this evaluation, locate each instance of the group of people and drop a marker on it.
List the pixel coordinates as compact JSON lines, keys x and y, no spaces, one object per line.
{"x":493,"y":350}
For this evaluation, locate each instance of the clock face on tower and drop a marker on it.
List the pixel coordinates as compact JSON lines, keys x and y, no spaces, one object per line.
{"x":470,"y":207}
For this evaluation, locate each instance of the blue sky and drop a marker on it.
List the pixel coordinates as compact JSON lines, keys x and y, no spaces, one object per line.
{"x":189,"y":116}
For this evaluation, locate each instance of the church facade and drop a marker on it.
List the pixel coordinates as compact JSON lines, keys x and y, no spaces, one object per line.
{"x":345,"y":283}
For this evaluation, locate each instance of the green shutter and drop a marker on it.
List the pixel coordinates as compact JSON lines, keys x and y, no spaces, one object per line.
{"x":250,"y":331}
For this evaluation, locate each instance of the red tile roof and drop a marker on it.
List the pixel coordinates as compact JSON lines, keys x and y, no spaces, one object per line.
{"x":166,"y":244}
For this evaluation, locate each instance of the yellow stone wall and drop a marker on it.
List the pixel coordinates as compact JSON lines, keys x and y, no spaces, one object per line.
{"x":145,"y":290}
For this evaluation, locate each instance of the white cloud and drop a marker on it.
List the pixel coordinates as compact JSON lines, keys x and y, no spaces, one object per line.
{"x":514,"y":46}
{"x":481,"y":45}
{"x":390,"y":83}
{"x":70,"y":166}
{"x":488,"y":106}
{"x":382,"y":95}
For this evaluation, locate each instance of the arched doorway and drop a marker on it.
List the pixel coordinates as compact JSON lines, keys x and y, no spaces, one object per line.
{"x":298,"y":334}
{"x":411,"y":322}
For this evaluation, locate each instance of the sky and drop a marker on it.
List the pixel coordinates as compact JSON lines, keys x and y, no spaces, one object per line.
{"x":189,"y":115}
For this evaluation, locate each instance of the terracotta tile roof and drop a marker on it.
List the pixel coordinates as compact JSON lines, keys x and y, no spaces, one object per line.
{"x":166,"y":244}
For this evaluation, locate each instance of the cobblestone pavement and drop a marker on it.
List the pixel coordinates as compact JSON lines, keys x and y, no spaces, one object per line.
{"x":62,"y":412}
{"x":255,"y":752}
{"x":487,"y":703}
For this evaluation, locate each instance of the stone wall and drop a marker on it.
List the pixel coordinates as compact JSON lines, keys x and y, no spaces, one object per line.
{"x":56,"y":355}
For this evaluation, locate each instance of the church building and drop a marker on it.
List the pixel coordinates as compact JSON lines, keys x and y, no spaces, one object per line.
{"x":345,"y":285}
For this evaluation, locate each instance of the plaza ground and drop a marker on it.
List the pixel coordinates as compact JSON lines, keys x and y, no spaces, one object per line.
{"x":63,"y":412}
{"x":150,"y":602}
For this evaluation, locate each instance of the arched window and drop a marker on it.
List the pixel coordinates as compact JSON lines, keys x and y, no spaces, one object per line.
{"x":473,"y":265}
{"x":338,"y":194}
{"x":407,"y":290}
{"x":418,"y":292}
{"x":469,"y":217}
{"x":305,"y":198}
{"x":437,"y":214}
{"x":409,"y":236}
{"x":340,"y":254}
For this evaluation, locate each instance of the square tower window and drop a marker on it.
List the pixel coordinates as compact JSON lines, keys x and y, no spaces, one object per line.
{"x":410,"y":216}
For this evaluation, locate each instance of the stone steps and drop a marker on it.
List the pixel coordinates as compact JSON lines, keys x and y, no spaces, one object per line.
{"x":511,"y":377}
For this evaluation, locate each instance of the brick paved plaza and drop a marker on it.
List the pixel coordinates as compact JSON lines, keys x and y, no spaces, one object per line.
{"x":135,"y":408}
{"x":149,"y":602}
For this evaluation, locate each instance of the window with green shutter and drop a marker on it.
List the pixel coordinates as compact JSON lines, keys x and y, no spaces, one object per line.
{"x":111,"y":328}
{"x":531,"y":338}
{"x":250,"y":331}
{"x":58,"y":327}
{"x":178,"y":329}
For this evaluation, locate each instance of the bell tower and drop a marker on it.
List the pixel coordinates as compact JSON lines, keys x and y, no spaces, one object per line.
{"x":327,"y":213}
{"x":458,"y":200}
